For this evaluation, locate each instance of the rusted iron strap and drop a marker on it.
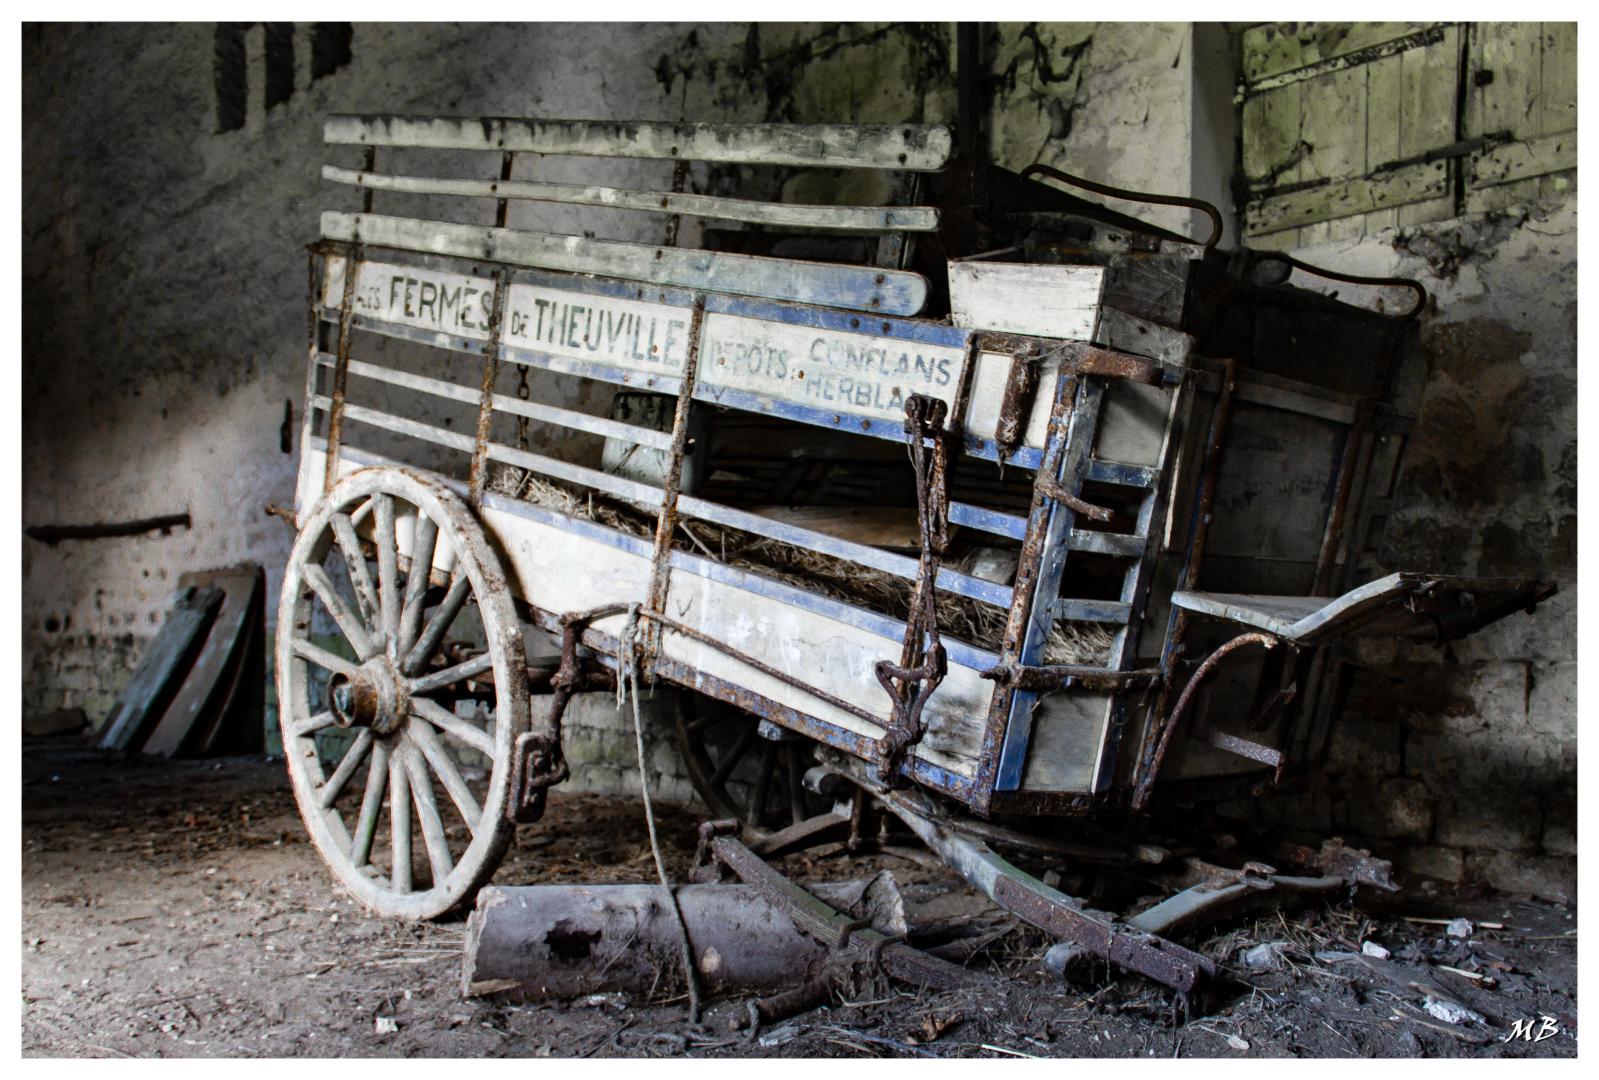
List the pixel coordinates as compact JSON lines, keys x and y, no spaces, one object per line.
{"x":1125,"y":946}
{"x":538,"y":763}
{"x":485,"y":409}
{"x":341,"y":367}
{"x":1028,"y":565}
{"x":1062,"y":676}
{"x":1076,"y":503}
{"x":1340,"y":505}
{"x":1012,"y":422}
{"x":766,"y":669}
{"x":923,"y":662}
{"x":1198,"y":530}
{"x":1079,"y":357}
{"x":666,"y":515}
{"x":833,"y":928}
{"x":1146,"y":782}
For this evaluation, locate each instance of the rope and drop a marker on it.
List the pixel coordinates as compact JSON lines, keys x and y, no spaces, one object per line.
{"x":627,"y":686}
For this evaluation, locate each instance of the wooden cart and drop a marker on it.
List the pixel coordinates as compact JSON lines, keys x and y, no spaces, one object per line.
{"x":658,"y":454}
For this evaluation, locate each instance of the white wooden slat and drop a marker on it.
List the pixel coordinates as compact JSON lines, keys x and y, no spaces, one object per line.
{"x":913,"y":147}
{"x":852,"y":218}
{"x":549,"y":414}
{"x":1021,"y":298}
{"x":860,"y":288}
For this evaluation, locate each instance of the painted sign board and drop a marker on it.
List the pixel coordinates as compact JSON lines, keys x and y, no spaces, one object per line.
{"x":831,"y":371}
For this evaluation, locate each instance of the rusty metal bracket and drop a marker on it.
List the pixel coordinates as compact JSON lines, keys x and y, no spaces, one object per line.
{"x":341,"y":367}
{"x":1062,"y":676}
{"x":1177,"y":620}
{"x":491,"y":369}
{"x":666,"y":519}
{"x":1147,"y":780}
{"x":923,"y":662}
{"x":537,"y":762}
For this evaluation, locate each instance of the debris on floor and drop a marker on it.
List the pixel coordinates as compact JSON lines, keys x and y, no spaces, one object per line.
{"x":134,"y":949}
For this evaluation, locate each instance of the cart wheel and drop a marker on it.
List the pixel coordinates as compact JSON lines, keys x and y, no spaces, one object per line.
{"x":740,"y":775}
{"x":423,"y":682}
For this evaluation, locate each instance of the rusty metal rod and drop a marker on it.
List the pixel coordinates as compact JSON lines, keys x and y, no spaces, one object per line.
{"x":1267,"y":641}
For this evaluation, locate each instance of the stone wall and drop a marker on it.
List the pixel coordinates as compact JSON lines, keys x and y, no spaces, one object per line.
{"x":1462,"y":761}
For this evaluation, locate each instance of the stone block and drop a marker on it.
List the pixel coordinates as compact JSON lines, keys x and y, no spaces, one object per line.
{"x":1552,"y":705}
{"x":1560,"y":821}
{"x":1362,"y":746}
{"x":1490,"y":816}
{"x":1547,"y":877}
{"x":1431,"y":860}
{"x":1397,"y":809}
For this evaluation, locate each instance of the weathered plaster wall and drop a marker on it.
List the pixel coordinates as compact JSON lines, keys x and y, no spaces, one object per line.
{"x":1462,"y":761}
{"x":165,"y":277}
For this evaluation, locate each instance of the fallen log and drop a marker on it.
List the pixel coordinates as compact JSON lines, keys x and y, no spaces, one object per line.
{"x":569,"y":941}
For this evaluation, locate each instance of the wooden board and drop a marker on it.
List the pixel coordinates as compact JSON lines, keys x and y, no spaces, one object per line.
{"x":1048,"y":300}
{"x":790,"y":215}
{"x":202,"y":698}
{"x":857,"y":288}
{"x":913,"y":147}
{"x":163,"y":664}
{"x":752,"y":361}
{"x":1381,"y":608}
{"x":860,"y":374}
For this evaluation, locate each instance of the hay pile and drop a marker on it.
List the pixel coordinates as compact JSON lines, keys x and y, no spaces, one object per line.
{"x":961,"y":617}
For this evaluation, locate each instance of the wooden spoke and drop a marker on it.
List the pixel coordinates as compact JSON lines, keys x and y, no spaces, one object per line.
{"x":355,"y":562}
{"x":714,"y":740}
{"x":796,"y":786}
{"x":439,"y":758}
{"x":366,"y":826}
{"x":424,"y":538}
{"x":464,"y":670}
{"x":388,"y":571}
{"x":322,"y":658}
{"x":734,"y":755}
{"x":427,"y":813}
{"x":436,"y":627}
{"x":307,"y":725}
{"x":384,"y":613}
{"x":448,"y":722}
{"x":399,"y":824}
{"x":763,"y":783}
{"x":341,"y":775}
{"x":348,"y":621}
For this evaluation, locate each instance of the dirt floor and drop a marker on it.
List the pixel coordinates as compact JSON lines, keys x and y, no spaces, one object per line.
{"x":177,"y":909}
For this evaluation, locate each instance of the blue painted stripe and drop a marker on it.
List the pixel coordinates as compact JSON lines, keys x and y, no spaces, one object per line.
{"x":1104,"y":611}
{"x":1120,"y":545}
{"x":989,"y":521}
{"x":924,"y":331}
{"x":588,"y":369}
{"x":1112,"y":472}
{"x":861,"y":554}
{"x":804,"y":414}
{"x":1073,"y":454}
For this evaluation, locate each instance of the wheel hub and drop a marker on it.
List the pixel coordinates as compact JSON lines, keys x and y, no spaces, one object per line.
{"x":373,"y":696}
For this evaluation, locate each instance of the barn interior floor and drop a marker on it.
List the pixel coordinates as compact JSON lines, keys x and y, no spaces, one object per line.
{"x":177,"y":909}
